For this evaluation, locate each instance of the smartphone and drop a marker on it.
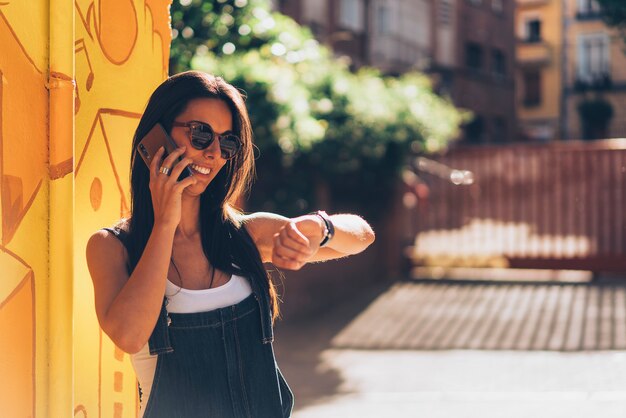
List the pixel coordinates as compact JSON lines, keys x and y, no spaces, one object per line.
{"x":155,"y":139}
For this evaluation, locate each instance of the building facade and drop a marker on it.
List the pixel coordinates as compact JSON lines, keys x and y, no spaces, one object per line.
{"x":465,"y":45}
{"x":401,"y":35}
{"x":473,"y":61}
{"x":539,"y":69}
{"x":594,"y":88}
{"x":392,"y":35}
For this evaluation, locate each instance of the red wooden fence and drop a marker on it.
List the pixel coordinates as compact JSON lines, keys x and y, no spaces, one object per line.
{"x":558,"y":205}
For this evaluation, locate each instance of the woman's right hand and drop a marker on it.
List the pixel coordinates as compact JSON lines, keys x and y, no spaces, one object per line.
{"x":165,"y":189}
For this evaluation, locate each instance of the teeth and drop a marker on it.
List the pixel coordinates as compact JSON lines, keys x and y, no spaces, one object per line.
{"x":201,"y":170}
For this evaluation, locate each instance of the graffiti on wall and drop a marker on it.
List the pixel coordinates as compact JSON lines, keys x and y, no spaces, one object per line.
{"x":23,"y":204}
{"x":121,"y":52}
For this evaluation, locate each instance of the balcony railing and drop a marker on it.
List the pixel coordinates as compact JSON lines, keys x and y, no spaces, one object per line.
{"x":533,"y":51}
{"x":394,"y":52}
{"x":588,"y":14}
{"x":522,"y":3}
{"x":531,"y":102}
{"x":593,"y":82}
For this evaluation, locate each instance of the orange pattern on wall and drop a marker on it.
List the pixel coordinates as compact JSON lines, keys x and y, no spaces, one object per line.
{"x":121,"y":56}
{"x":23,"y":190}
{"x":121,"y":50}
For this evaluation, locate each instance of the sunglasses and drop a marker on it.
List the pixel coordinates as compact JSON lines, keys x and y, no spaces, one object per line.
{"x":202,"y":136}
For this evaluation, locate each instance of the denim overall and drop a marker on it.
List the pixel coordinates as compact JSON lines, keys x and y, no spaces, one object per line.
{"x":218,"y":363}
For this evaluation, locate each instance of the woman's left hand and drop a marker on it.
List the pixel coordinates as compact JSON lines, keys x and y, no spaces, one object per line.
{"x":296,"y":242}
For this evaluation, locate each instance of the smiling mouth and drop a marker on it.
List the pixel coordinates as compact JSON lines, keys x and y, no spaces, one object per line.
{"x":201,"y":170}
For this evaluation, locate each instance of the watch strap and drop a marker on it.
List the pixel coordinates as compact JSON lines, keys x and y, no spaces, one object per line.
{"x":329,"y":228}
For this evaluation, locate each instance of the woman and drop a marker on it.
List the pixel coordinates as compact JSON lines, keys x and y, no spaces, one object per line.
{"x":181,"y":285}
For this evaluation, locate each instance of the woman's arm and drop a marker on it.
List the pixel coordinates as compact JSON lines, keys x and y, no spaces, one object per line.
{"x":128,"y":307}
{"x":291,"y":243}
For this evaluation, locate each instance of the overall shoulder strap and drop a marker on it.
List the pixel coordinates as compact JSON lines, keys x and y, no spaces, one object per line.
{"x":119,"y":234}
{"x":123,"y":237}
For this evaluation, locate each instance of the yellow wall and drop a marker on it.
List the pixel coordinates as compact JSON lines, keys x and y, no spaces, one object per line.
{"x":548,"y":111}
{"x":64,"y":162}
{"x":24,"y":194}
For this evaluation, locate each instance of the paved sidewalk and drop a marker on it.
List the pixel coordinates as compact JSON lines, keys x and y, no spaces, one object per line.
{"x":333,"y":375}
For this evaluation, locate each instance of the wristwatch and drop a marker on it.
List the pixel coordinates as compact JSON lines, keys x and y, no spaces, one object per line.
{"x":329,"y":228}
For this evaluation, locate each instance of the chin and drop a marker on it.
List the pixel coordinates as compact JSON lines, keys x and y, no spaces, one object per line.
{"x":196,"y":189}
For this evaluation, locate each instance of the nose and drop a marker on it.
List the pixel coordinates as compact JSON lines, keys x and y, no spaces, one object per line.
{"x":213,"y":151}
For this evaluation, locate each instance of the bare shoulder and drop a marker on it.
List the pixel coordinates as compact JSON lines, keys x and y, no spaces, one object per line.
{"x":106,"y":256}
{"x":107,"y":261}
{"x":105,"y":245}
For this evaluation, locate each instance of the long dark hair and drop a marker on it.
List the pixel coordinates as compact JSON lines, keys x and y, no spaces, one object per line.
{"x":225,"y":240}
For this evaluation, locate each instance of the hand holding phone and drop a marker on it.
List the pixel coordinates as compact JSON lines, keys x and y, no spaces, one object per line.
{"x":165,"y":190}
{"x":155,"y":139}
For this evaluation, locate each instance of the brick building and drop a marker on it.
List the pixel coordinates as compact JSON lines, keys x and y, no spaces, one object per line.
{"x":473,"y":56}
{"x":466,"y":45}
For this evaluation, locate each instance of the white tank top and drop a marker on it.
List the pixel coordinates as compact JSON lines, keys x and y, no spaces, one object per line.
{"x":187,"y":301}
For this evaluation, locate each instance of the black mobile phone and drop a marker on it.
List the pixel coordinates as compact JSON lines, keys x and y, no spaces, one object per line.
{"x":155,"y":139}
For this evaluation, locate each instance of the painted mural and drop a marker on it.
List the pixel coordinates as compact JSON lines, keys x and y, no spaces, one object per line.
{"x":24,"y":186}
{"x":121,"y":50}
{"x":121,"y":53}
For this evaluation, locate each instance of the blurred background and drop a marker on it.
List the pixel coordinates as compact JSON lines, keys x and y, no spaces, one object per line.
{"x":481,"y":139}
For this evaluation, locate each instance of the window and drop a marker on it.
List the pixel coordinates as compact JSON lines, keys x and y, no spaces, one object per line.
{"x":316,"y":29}
{"x":532,"y":88}
{"x":445,"y":12}
{"x":498,"y":62}
{"x":588,"y":7}
{"x":351,"y":14}
{"x":473,"y":56}
{"x":475,"y":130}
{"x":533,"y":30}
{"x":315,"y":11}
{"x":593,"y":57}
{"x":476,"y":2}
{"x":383,"y":20}
{"x":499,"y":129}
{"x":497,"y":6}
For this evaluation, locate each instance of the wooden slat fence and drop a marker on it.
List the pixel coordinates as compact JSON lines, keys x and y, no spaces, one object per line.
{"x":558,"y":205}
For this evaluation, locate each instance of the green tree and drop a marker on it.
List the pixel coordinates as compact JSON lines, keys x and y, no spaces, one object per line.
{"x":215,"y":26}
{"x":325,"y":135}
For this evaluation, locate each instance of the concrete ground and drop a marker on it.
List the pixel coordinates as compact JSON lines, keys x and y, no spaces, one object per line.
{"x":332,"y":375}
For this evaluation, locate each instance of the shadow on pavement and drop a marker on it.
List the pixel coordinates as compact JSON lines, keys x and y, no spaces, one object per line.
{"x":300,"y":342}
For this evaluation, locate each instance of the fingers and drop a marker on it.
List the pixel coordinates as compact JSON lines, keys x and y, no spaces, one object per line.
{"x":181,"y":185}
{"x":171,"y":158}
{"x":291,"y":241}
{"x":155,"y":164}
{"x":294,"y":238}
{"x":286,"y":264}
{"x":291,"y":248}
{"x":160,"y":182}
{"x":179,"y":167}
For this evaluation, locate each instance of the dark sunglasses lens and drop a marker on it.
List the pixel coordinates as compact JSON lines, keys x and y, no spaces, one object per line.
{"x":229,"y":145}
{"x":201,"y":136}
